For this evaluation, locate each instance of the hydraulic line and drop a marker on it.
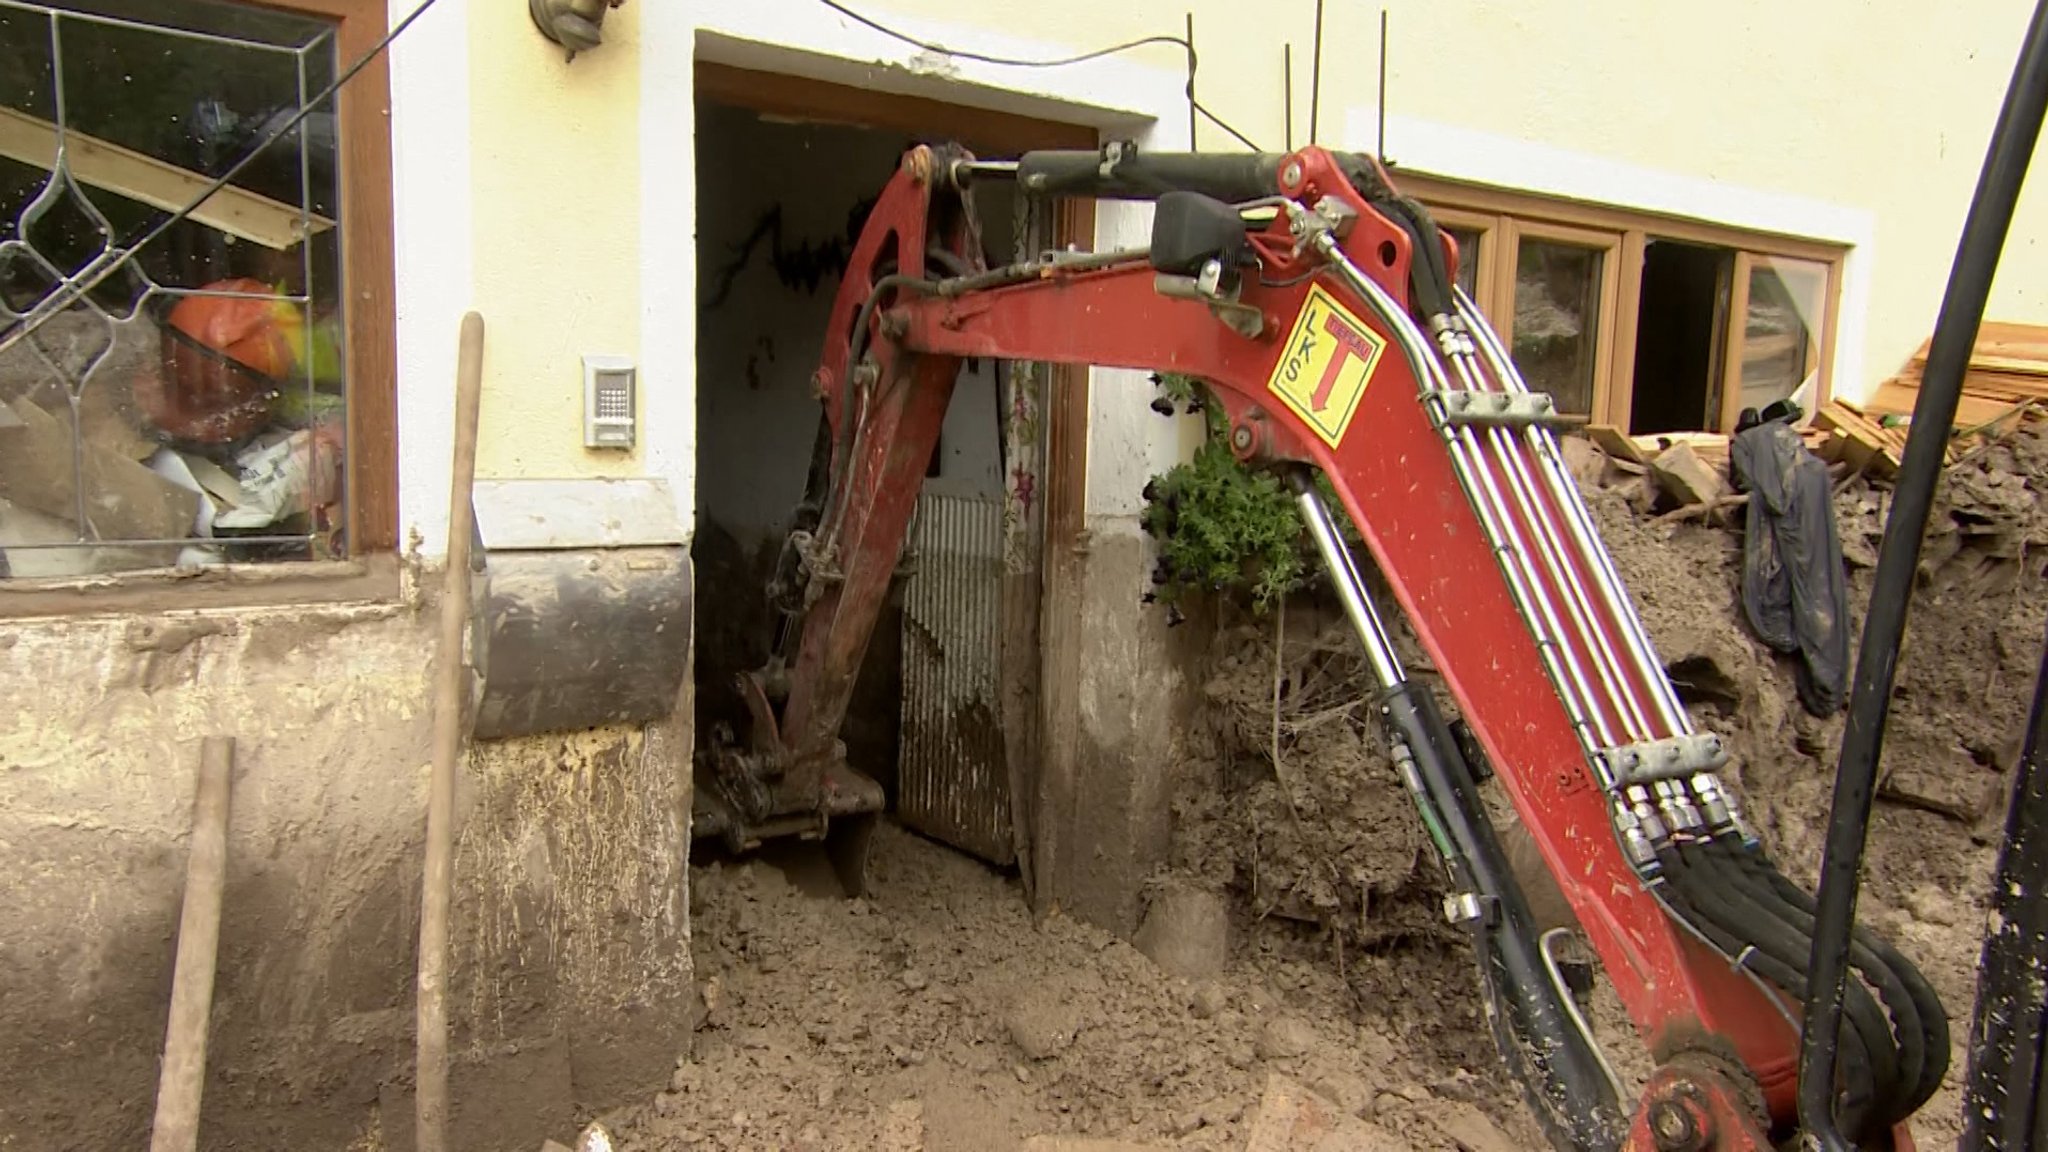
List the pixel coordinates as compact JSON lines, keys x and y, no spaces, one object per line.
{"x":1563,"y":670}
{"x":2006,"y":159}
{"x":1579,"y":521}
{"x":1557,"y":559}
{"x":1917,"y":1037}
{"x":1577,"y":1098}
{"x":1704,"y":908}
{"x":1754,"y":914}
{"x":1434,"y":301}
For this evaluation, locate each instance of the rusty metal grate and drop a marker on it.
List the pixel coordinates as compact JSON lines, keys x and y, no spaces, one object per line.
{"x":125,"y":442}
{"x":952,"y":776}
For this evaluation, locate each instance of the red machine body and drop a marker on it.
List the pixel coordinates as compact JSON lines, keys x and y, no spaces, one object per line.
{"x":1307,"y":374}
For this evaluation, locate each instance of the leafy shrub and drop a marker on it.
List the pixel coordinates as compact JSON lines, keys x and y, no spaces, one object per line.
{"x":1222,"y":528}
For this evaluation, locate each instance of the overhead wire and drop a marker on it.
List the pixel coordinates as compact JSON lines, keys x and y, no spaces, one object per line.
{"x":121,"y":255}
{"x":1185,"y":43}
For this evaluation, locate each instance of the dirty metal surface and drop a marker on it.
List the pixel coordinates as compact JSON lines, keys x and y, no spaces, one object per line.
{"x":579,"y":638}
{"x":952,"y":775}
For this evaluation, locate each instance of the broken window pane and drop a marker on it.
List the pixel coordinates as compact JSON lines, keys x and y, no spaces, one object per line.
{"x":1781,"y":334}
{"x":1557,"y":317}
{"x":189,"y":408}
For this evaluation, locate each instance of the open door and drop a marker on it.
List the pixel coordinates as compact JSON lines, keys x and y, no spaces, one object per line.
{"x":970,"y":713}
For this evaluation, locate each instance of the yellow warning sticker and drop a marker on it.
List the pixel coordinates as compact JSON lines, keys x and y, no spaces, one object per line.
{"x":1329,"y":359}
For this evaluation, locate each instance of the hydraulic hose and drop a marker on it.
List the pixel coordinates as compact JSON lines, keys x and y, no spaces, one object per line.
{"x":1916,"y":1009}
{"x":1955,"y":332}
{"x":1577,"y":1100}
{"x":1760,"y":917}
{"x":1695,"y":903}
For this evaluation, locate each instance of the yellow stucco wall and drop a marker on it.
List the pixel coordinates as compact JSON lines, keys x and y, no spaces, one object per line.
{"x":1881,"y":107}
{"x":555,"y":179}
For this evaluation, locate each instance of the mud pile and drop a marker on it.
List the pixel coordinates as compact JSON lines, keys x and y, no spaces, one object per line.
{"x":1330,"y":838}
{"x":937,"y":1015}
{"x":1290,"y":799}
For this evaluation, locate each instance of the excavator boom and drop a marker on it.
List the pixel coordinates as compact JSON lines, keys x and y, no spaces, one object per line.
{"x":1320,"y":306}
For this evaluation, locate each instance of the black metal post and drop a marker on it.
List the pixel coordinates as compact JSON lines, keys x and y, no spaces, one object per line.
{"x":2002,"y":1106}
{"x":1955,"y":333}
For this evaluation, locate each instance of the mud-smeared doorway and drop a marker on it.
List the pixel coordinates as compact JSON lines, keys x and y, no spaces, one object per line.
{"x":782,"y":196}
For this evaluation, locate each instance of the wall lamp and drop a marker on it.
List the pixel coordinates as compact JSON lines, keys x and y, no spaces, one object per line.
{"x":577,"y":25}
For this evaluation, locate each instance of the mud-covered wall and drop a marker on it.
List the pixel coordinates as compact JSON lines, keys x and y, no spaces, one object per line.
{"x":571,"y":958}
{"x":1115,"y":734}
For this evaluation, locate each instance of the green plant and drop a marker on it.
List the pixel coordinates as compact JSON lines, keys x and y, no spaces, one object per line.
{"x":1223,"y":528}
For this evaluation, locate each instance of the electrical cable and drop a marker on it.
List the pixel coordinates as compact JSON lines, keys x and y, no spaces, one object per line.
{"x":1184,"y":43}
{"x":122,"y":254}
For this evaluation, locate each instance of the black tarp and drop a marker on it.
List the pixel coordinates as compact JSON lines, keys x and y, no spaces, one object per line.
{"x":1794,"y":586}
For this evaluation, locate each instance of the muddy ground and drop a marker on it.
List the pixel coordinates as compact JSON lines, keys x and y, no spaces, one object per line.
{"x":937,"y":1015}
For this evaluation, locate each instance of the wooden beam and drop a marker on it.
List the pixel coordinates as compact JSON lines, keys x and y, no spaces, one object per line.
{"x":803,"y":99}
{"x":145,"y":179}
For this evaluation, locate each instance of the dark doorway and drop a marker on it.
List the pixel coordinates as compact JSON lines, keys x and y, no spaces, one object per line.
{"x":1684,"y":309}
{"x":788,"y":170}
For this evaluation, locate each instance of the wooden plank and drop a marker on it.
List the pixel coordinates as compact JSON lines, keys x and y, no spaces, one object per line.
{"x":2005,"y":385}
{"x":125,"y":500}
{"x":1862,"y":441}
{"x":2001,"y":346}
{"x":1615,"y":443}
{"x":1896,"y":398}
{"x":1710,"y":447}
{"x":823,"y":102}
{"x":145,"y":179}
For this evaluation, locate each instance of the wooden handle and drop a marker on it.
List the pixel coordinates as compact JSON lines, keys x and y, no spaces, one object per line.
{"x":183,"y":1077}
{"x":431,"y":1102}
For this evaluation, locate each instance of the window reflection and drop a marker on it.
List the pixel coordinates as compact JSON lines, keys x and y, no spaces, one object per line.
{"x":1781,"y":334}
{"x":1557,"y":316}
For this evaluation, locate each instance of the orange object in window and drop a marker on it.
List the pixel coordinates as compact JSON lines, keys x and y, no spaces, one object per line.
{"x":224,"y":363}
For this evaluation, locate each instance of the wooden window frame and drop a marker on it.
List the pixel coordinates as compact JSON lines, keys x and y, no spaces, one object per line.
{"x":368,"y":268}
{"x":1503,"y":215}
{"x":1738,"y":328}
{"x":369,"y":570}
{"x":1608,"y":245}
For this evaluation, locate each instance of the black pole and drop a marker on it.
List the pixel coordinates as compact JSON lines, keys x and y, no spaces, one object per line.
{"x":1287,"y":88}
{"x":1955,"y":333}
{"x":1315,"y":84}
{"x":2002,"y":1097}
{"x":1380,"y":149}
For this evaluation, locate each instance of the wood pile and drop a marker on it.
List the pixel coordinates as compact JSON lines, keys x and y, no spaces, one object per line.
{"x":2008,"y":371}
{"x":1867,"y":444}
{"x":1685,"y":475}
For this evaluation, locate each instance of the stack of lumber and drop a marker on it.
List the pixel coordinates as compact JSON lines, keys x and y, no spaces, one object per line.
{"x":2008,"y":370}
{"x":1689,"y":470}
{"x":1840,"y":433}
{"x":1864,"y":442}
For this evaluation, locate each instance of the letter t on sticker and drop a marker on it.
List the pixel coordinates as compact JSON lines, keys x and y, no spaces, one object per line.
{"x":1349,"y":344}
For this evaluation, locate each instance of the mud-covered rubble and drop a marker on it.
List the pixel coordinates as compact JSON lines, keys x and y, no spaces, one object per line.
{"x":937,"y":1015}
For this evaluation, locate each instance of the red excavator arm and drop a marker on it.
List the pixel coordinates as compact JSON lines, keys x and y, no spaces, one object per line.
{"x":1319,"y":304}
